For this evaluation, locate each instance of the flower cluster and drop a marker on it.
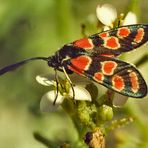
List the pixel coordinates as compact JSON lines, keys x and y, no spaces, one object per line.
{"x":107,"y":15}
{"x":65,"y":91}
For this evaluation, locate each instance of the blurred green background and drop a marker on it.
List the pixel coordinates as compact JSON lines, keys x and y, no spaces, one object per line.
{"x":30,"y":28}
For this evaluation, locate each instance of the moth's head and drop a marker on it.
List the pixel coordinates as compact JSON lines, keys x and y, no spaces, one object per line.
{"x":53,"y":62}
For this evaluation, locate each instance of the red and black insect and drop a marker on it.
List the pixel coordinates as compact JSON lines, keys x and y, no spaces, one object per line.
{"x":94,"y":57}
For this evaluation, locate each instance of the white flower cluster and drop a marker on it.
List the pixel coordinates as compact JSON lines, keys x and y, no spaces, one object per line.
{"x":107,"y":15}
{"x":46,"y":104}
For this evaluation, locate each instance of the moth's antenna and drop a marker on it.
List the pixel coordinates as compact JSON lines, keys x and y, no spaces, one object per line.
{"x":16,"y":65}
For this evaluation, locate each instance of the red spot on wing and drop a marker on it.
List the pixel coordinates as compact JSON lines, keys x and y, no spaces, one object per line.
{"x":118,"y":82}
{"x":108,"y":67}
{"x":107,"y":55}
{"x":84,"y":43}
{"x":112,"y":43}
{"x":140,"y":35}
{"x":134,"y":82}
{"x":98,"y":76}
{"x":81,"y":62}
{"x":103,"y":34}
{"x":123,"y":32}
{"x":79,"y":72}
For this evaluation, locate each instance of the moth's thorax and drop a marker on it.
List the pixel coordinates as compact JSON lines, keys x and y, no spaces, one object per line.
{"x":64,"y":54}
{"x":70,"y":51}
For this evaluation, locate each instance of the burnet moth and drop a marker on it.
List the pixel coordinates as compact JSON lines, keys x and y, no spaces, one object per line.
{"x":95,"y":57}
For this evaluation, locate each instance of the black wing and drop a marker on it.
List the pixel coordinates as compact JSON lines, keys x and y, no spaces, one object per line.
{"x":110,"y":72}
{"x":115,"y":41}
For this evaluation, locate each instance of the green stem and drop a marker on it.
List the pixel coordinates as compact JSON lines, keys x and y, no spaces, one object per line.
{"x":43,"y":140}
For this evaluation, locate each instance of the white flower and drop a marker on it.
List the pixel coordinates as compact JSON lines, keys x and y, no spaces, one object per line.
{"x":130,"y":19}
{"x":44,"y":80}
{"x":107,"y":14}
{"x":46,"y":104}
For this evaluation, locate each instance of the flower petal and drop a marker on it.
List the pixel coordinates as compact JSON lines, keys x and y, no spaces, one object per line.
{"x":130,"y":19}
{"x":44,"y":80}
{"x":119,"y":100}
{"x":105,"y":28}
{"x":80,"y":93}
{"x":46,"y":104}
{"x":106,"y":14}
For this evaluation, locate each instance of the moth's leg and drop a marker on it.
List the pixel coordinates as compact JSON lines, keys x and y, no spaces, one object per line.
{"x":71,"y":84}
{"x":57,"y":87}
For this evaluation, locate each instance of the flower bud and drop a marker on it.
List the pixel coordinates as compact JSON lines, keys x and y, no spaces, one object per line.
{"x":105,"y":112}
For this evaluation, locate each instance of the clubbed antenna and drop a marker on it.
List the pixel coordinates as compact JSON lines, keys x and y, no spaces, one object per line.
{"x":17,"y":65}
